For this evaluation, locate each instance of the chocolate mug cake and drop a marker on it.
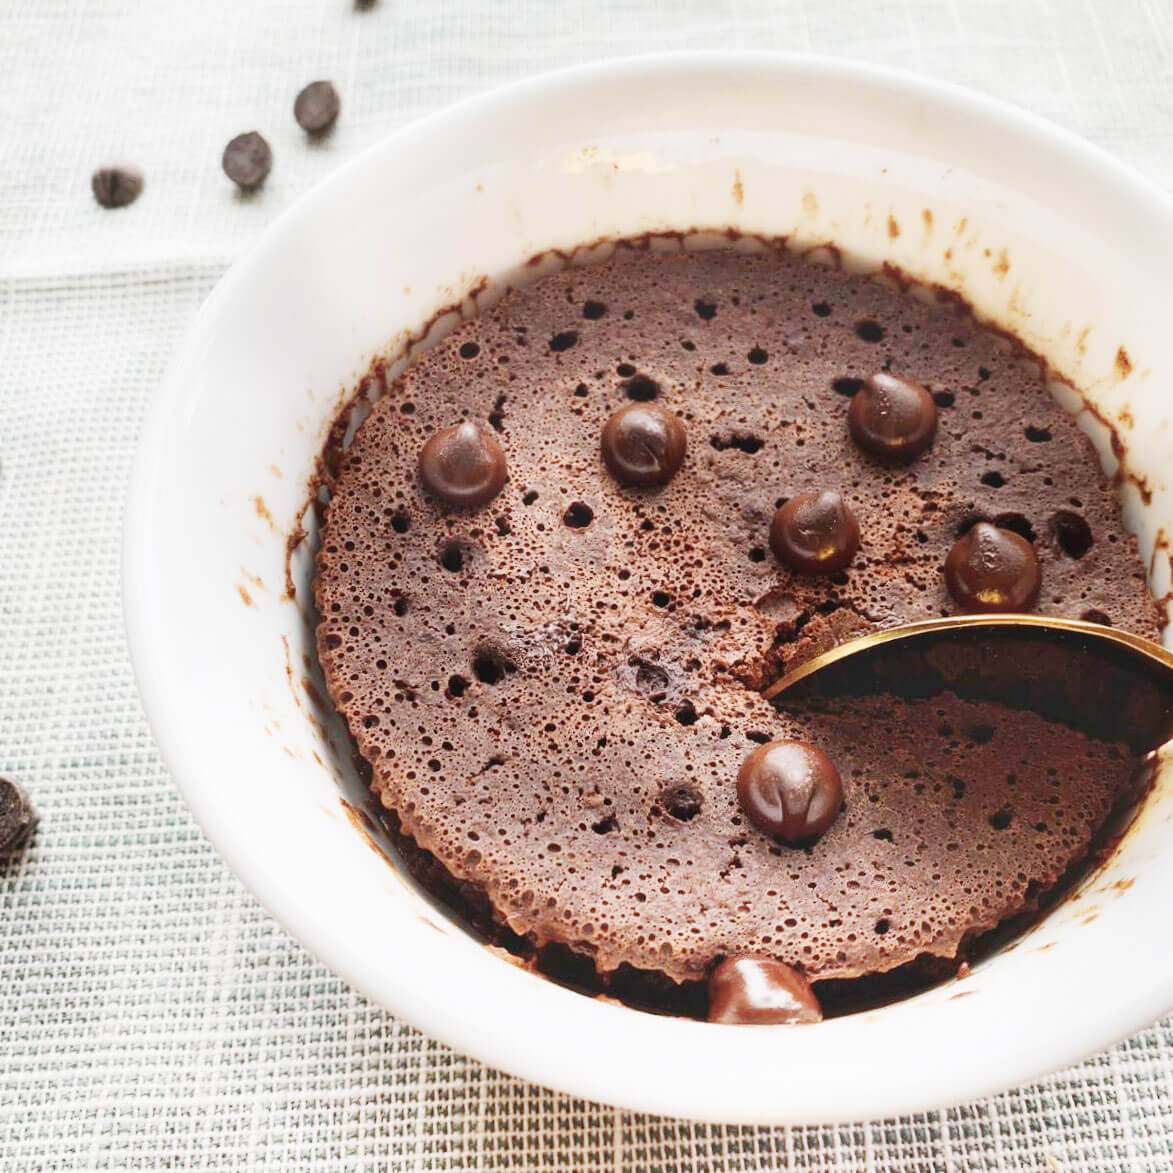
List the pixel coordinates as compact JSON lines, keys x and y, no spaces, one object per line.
{"x":574,"y":542}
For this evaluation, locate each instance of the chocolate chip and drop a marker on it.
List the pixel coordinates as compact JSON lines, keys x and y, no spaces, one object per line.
{"x":758,"y":991}
{"x":316,"y":107}
{"x":892,"y":418}
{"x":17,"y":818}
{"x":643,"y":444}
{"x":992,"y":569}
{"x":115,"y":187}
{"x":463,"y":465}
{"x":790,"y":790}
{"x":247,"y":160}
{"x":815,"y":533}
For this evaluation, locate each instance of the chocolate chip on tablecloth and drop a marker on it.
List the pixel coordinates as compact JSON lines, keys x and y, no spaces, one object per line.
{"x":116,"y":187}
{"x":316,"y":107}
{"x":463,"y":465}
{"x":790,"y":790}
{"x":247,"y":160}
{"x":643,"y":445}
{"x":815,"y":533}
{"x":993,"y":569}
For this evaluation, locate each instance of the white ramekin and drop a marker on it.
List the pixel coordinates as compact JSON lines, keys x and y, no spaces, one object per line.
{"x":1045,"y":234}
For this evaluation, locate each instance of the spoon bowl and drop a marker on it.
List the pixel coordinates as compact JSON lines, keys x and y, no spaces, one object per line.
{"x":1108,"y":683}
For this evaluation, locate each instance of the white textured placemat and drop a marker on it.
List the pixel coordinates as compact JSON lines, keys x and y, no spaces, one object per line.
{"x":151,"y":1015}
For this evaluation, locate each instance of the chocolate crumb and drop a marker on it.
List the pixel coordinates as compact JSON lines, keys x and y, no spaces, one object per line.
{"x":316,"y":107}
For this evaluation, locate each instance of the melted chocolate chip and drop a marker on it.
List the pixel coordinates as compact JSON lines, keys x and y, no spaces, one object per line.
{"x":892,"y":418}
{"x":115,"y":187}
{"x":758,"y":991}
{"x":247,"y":160}
{"x":992,"y":569}
{"x":463,"y":465}
{"x":316,"y":107}
{"x":644,"y":445}
{"x":17,"y":819}
{"x":815,"y":533}
{"x":790,"y":790}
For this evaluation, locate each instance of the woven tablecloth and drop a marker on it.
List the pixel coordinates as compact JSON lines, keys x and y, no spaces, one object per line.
{"x":151,"y":1014}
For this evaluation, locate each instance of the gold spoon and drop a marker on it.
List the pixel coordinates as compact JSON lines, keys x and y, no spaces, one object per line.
{"x":1112,"y":683}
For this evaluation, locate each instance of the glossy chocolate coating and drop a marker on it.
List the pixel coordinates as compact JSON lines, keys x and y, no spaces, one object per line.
{"x":643,"y":445}
{"x":892,"y":418}
{"x":790,"y":790}
{"x":992,"y":569}
{"x":815,"y":533}
{"x":758,"y":991}
{"x":463,"y":465}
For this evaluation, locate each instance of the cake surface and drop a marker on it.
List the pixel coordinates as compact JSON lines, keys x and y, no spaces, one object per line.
{"x":555,"y":690}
